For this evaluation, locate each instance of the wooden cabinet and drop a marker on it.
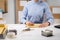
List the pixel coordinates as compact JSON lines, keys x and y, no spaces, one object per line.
{"x":55,"y":15}
{"x":3,"y":5}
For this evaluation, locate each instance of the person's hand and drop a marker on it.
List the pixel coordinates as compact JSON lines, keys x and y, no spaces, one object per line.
{"x":29,"y":23}
{"x":44,"y":24}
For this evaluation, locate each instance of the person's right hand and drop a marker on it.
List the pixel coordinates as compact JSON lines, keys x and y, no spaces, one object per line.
{"x":29,"y":23}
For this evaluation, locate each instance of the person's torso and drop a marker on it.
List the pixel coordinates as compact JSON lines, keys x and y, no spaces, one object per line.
{"x":35,"y":13}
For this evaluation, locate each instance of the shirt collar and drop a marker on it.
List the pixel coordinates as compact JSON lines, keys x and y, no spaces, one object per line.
{"x":39,"y":1}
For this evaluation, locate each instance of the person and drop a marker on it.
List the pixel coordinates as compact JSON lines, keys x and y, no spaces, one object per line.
{"x":35,"y":12}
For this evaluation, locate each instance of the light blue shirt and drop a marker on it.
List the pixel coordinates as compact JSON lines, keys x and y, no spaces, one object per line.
{"x":36,"y":13}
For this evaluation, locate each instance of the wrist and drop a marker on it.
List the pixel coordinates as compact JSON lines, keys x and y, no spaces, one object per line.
{"x":48,"y":23}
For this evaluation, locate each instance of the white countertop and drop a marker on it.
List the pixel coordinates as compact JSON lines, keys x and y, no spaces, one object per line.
{"x":34,"y":34}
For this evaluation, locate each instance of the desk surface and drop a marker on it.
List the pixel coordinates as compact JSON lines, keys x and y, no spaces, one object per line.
{"x":34,"y":34}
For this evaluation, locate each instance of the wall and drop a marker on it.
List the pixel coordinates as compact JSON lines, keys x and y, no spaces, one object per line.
{"x":54,"y":2}
{"x":10,"y":16}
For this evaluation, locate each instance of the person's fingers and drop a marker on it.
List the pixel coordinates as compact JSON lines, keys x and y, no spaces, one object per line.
{"x":45,"y":24}
{"x":42,"y":25}
{"x":29,"y":23}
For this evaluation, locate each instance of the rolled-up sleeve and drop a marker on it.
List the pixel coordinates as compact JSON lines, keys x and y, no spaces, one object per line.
{"x":24,"y":15}
{"x":49,"y":15}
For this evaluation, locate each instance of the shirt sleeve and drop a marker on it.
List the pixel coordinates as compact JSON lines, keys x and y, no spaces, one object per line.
{"x":24,"y":15}
{"x":48,"y":14}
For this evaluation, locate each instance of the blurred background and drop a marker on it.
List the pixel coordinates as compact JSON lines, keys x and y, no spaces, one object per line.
{"x":11,"y":10}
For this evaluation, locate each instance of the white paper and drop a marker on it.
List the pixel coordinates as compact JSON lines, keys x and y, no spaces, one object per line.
{"x":56,"y":10}
{"x":19,"y":15}
{"x":2,"y":21}
{"x":23,"y":3}
{"x":1,"y":15}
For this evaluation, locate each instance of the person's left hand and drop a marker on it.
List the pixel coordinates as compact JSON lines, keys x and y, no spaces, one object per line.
{"x":44,"y":24}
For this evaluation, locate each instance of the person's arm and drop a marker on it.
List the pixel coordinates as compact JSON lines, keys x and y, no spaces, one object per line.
{"x":48,"y":14}
{"x":48,"y":17}
{"x":24,"y":15}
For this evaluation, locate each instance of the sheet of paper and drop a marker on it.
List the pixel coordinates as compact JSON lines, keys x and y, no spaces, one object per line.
{"x":23,"y":3}
{"x":56,"y":10}
{"x":2,"y":21}
{"x":1,"y":15}
{"x":19,"y":15}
